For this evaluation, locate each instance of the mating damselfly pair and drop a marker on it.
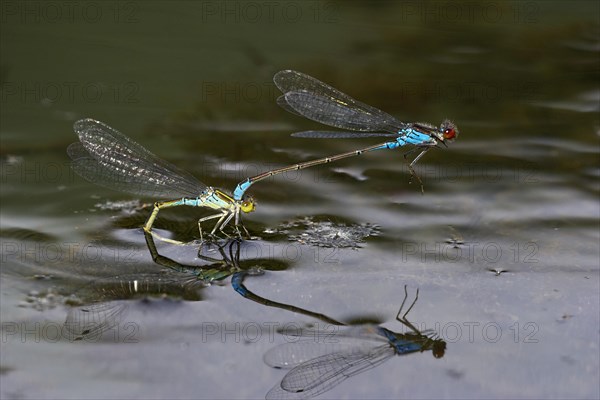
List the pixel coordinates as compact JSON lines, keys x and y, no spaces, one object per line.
{"x":107,"y":157}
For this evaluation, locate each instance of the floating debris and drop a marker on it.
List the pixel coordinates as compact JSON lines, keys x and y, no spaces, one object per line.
{"x":325,"y":233}
{"x":498,"y":271}
{"x":127,"y":206}
{"x":455,"y":239}
{"x":42,"y":301}
{"x":42,"y":277}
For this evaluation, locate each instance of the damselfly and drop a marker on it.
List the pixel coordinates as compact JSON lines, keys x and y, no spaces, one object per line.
{"x":315,"y":100}
{"x":237,"y":282}
{"x":108,"y":158}
{"x":322,"y":359}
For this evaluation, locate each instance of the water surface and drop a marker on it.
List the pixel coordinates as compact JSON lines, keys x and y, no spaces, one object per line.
{"x":503,"y":245}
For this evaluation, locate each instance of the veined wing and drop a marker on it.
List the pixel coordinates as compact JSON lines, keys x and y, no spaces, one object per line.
{"x":108,"y":158}
{"x":315,"y":343}
{"x":91,"y":321}
{"x":281,"y":102}
{"x":340,"y":134}
{"x":320,"y":102}
{"x":335,"y":334}
{"x":321,"y":374}
{"x":290,"y":355}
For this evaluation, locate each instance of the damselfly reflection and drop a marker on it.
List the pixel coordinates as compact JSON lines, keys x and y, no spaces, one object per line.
{"x":102,"y":304}
{"x":319,"y":361}
{"x":231,"y":264}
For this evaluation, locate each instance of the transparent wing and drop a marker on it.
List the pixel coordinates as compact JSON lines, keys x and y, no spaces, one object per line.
{"x":320,"y":102}
{"x":91,"y":321}
{"x":290,"y":355}
{"x":340,"y":135}
{"x":108,"y":158}
{"x":321,"y":374}
{"x":315,"y":343}
{"x":335,"y":333}
{"x":281,"y":102}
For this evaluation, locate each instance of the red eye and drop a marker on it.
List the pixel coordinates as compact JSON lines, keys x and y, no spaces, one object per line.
{"x":450,"y":134}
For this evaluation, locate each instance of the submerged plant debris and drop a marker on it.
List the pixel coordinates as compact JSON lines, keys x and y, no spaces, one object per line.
{"x":325,"y":233}
{"x":42,"y":301}
{"x":127,"y":206}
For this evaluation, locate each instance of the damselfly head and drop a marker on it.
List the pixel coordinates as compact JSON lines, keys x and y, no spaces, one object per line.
{"x":448,"y":131}
{"x":248,"y":204}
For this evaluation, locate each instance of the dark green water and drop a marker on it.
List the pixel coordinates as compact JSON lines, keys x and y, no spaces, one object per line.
{"x":517,"y":301}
